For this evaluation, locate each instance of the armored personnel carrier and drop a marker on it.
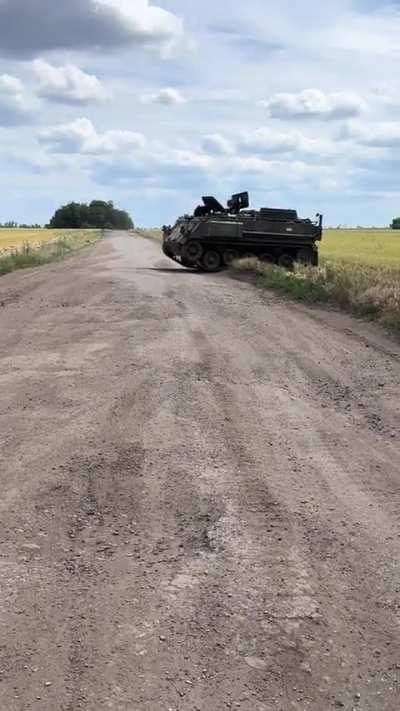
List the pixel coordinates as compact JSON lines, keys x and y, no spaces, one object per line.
{"x":214,"y":236}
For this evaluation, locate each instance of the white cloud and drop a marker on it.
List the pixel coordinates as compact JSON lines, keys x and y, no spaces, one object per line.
{"x":183,"y":158}
{"x":218,"y":145}
{"x":128,"y":156}
{"x":11,"y":85}
{"x":265,"y":140}
{"x":387,"y":93}
{"x":166,"y":96}
{"x":144,"y":19}
{"x":81,"y":136}
{"x":375,"y":33}
{"x":31,"y":28}
{"x":67,"y":84}
{"x":281,"y":171}
{"x":379,"y":135}
{"x":14,"y":109}
{"x":312,"y":103}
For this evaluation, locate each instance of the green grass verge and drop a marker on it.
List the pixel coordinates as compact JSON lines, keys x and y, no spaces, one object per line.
{"x":31,"y":256}
{"x":367,"y":291}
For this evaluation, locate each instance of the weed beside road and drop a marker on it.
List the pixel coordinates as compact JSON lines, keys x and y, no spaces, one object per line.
{"x":359,"y":272}
{"x":367,"y":291}
{"x":24,"y":254}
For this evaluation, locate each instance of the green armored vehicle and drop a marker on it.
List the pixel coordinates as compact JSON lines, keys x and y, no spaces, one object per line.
{"x":214,"y":236}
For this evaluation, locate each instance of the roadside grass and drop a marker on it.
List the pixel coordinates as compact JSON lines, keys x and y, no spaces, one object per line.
{"x":367,"y":291}
{"x":150,"y":233}
{"x":23,"y":254}
{"x":359,"y":273}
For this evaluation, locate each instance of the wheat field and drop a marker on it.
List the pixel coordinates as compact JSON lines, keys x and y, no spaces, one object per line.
{"x":23,"y":248}
{"x":362,"y":246}
{"x":15,"y":239}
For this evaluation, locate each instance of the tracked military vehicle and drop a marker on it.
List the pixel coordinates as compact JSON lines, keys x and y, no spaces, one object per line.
{"x":214,"y":236}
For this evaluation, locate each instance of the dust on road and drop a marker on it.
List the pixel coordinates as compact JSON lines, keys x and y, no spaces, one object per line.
{"x":200,"y":494}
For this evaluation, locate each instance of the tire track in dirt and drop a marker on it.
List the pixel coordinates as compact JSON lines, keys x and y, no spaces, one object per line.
{"x":200,"y":501}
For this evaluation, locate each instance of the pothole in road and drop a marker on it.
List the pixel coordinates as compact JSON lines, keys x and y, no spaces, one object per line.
{"x":198,"y":530}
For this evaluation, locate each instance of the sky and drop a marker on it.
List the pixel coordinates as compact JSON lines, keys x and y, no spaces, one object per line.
{"x":154,"y":105}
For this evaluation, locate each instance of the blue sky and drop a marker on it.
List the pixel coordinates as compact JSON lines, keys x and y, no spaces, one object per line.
{"x":154,"y":105}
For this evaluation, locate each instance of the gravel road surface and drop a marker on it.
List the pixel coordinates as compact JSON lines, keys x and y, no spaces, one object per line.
{"x":200,"y":495}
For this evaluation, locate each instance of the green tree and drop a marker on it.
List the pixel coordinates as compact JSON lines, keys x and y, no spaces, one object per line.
{"x":100,"y":213}
{"x":395,"y":224}
{"x":97,"y":215}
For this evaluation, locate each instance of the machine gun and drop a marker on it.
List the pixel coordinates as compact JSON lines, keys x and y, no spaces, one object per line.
{"x":238,"y":202}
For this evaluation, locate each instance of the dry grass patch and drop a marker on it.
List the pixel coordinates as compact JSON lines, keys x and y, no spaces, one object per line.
{"x":367,"y":291}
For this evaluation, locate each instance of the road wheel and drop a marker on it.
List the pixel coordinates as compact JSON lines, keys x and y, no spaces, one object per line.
{"x":229,"y":256}
{"x":286,"y":261}
{"x":212,"y":261}
{"x":266,"y":257}
{"x":305,"y":256}
{"x":193,"y":251}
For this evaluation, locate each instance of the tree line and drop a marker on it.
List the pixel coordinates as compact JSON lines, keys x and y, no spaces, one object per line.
{"x":98,"y":215}
{"x":11,"y":225}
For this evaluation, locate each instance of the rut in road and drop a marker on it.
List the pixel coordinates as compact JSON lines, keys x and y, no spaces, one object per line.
{"x":200,"y":494}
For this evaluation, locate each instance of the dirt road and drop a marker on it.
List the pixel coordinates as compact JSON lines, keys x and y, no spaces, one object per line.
{"x":200,"y":494}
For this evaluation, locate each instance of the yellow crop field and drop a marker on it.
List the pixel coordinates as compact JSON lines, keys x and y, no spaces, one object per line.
{"x":379,"y":248}
{"x":23,"y":248}
{"x":11,"y":239}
